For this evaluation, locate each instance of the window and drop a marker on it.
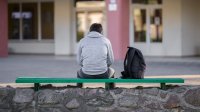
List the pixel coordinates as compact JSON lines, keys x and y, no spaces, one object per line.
{"x":139,"y":25}
{"x":47,"y":20}
{"x":29,"y":20}
{"x":24,"y":22}
{"x":13,"y":18}
{"x":156,"y":25}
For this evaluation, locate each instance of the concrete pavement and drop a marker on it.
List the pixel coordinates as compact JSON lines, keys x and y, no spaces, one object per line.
{"x":66,"y":66}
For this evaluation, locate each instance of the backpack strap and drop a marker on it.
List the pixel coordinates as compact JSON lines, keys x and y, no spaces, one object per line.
{"x":125,"y":60}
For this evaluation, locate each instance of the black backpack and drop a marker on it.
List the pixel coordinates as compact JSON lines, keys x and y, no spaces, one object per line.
{"x":134,"y":64}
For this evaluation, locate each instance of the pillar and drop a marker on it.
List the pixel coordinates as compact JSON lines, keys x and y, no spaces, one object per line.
{"x":63,"y":27}
{"x":3,"y":28}
{"x":118,"y":26}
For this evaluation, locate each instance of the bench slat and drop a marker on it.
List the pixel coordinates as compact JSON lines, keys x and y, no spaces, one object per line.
{"x":76,"y":80}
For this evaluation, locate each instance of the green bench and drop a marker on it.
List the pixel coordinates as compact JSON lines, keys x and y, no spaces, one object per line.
{"x":38,"y":80}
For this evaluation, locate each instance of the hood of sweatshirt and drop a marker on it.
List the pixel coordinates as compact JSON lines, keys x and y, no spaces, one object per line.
{"x":94,"y":34}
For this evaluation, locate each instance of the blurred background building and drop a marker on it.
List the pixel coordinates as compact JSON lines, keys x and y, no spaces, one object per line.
{"x":156,"y":27}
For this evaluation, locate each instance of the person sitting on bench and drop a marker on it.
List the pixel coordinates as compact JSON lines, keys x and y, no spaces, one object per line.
{"x":95,"y":55}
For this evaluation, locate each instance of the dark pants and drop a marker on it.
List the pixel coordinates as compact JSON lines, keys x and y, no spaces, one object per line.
{"x":108,"y":74}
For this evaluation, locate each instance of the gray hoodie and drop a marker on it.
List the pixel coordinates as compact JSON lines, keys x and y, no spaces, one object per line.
{"x":95,"y":54}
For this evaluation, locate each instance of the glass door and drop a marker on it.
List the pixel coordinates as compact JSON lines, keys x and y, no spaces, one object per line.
{"x":146,"y":19}
{"x":85,"y":19}
{"x":156,"y":31}
{"x":147,"y":26}
{"x":140,"y":24}
{"x":88,"y":12}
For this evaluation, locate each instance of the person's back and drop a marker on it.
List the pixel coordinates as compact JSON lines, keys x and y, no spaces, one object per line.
{"x":95,"y":55}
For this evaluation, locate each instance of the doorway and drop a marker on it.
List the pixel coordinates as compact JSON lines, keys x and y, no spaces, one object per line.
{"x":88,"y":12}
{"x":147,"y":28}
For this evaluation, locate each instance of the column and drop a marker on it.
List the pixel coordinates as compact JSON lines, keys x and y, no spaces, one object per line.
{"x":118,"y":26}
{"x":63,"y":24}
{"x":3,"y":28}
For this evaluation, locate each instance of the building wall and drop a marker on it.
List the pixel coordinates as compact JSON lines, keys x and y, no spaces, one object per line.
{"x":172,"y":24}
{"x":181,"y":27}
{"x":42,"y":47}
{"x":190,"y":27}
{"x":181,"y":30}
{"x":31,"y":47}
{"x":63,"y":27}
{"x":118,"y":27}
{"x":3,"y":29}
{"x":197,"y":39}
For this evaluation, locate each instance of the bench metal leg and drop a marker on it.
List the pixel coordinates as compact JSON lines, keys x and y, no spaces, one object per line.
{"x":162,"y":85}
{"x":109,"y":86}
{"x":36,"y":86}
{"x":80,"y":85}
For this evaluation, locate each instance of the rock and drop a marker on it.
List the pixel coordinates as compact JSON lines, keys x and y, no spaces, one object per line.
{"x":153,"y":91}
{"x":23,"y":96}
{"x":128,"y":101}
{"x":114,"y":110}
{"x":117,"y":91}
{"x":73,"y":93}
{"x":174,"y":110}
{"x":48,"y":97}
{"x":172,"y":102}
{"x":73,"y":104}
{"x":18,"y":107}
{"x":6,"y":96}
{"x":135,"y":91}
{"x":163,"y":94}
{"x":91,"y":92}
{"x":51,"y":110}
{"x":192,"y":97}
{"x":87,"y":109}
{"x":181,"y":99}
{"x":29,"y":110}
{"x":154,"y":105}
{"x":102,"y":98}
{"x":100,"y":102}
{"x":73,"y":96}
{"x":178,"y":90}
{"x":187,"y":109}
{"x":5,"y":110}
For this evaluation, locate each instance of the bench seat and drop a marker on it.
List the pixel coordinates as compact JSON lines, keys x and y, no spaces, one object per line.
{"x":38,"y":80}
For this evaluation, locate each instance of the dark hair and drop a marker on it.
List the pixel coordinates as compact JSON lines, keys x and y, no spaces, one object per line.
{"x":96,"y":27}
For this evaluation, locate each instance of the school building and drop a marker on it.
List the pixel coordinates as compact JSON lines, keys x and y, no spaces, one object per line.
{"x":156,"y":27}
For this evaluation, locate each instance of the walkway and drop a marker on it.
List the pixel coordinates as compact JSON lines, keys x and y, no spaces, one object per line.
{"x":66,"y":66}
